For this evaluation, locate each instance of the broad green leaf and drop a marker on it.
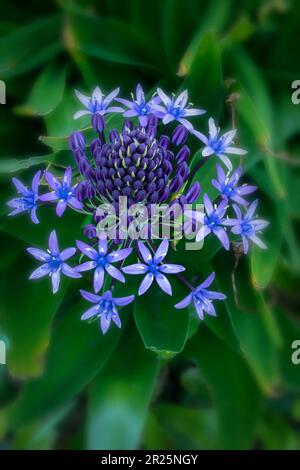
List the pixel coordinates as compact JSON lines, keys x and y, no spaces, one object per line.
{"x":26,"y":318}
{"x":120,"y":395}
{"x":203,"y":62}
{"x":13,"y":165}
{"x":46,"y":93}
{"x":29,"y":46}
{"x":235,"y":394}
{"x":253,"y":323}
{"x":163,"y":328}
{"x":77,"y":352}
{"x":263,"y":262}
{"x":130,"y":45}
{"x":188,"y":427}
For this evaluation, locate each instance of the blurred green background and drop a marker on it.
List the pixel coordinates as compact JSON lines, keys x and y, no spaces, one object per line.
{"x":164,"y":381}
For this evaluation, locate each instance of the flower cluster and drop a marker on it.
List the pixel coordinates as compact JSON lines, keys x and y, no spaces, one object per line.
{"x":147,"y":161}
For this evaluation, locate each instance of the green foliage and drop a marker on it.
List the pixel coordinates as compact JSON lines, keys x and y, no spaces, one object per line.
{"x":165,"y":380}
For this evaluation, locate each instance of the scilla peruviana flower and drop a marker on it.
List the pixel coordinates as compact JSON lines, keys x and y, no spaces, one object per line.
{"x":202,"y":298}
{"x":153,"y":268}
{"x":28,"y":200}
{"x":97,"y":103}
{"x":219,"y":145}
{"x":101,"y":261}
{"x":105,"y":308}
{"x":54,"y":262}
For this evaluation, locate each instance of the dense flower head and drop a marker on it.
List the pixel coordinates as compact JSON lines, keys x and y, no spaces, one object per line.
{"x":148,"y":161}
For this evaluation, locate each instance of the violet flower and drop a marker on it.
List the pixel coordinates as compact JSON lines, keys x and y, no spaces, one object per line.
{"x":248,"y":226}
{"x":176,"y":109}
{"x":63,"y":192}
{"x":227,"y":185}
{"x":202,"y":298}
{"x":219,"y":145}
{"x":213,"y":221}
{"x":53,"y":262}
{"x":105,"y":308}
{"x":101,"y":261}
{"x":139,"y":106}
{"x":97,"y":103}
{"x":28,"y":200}
{"x":153,"y":268}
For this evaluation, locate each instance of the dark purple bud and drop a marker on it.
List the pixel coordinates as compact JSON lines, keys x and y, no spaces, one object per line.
{"x":165,"y":194}
{"x":95,"y":146}
{"x":183,"y":171}
{"x":80,"y":191}
{"x":168,"y":168}
{"x":113,"y":135}
{"x":101,"y":187}
{"x":183,"y":154}
{"x":137,"y":185}
{"x":193,"y":193}
{"x":76,"y":141}
{"x":160,"y":184}
{"x":152,"y":121}
{"x":90,"y":231}
{"x":128,"y":125}
{"x":98,"y":123}
{"x":154,"y":197}
{"x":176,"y":184}
{"x":179,"y":135}
{"x":118,"y":183}
{"x":140,"y":195}
{"x":170,"y":155}
{"x":115,"y":195}
{"x":126,"y":191}
{"x":164,"y":141}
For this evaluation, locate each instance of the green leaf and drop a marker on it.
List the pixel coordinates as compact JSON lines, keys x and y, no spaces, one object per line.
{"x":26,"y":318}
{"x":13,"y":165}
{"x":93,"y":35}
{"x":163,"y":328}
{"x":30,"y":46}
{"x":253,"y":323}
{"x":202,"y":62}
{"x":263,"y":262}
{"x":77,"y":353}
{"x":46,"y":93}
{"x":120,"y":395}
{"x":188,"y":428}
{"x":235,"y":394}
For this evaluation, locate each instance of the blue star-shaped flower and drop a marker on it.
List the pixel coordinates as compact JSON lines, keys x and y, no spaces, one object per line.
{"x":248,"y":226}
{"x":227,"y":186}
{"x":53,"y":262}
{"x":101,"y":261}
{"x":219,"y":145}
{"x":63,"y":192}
{"x":202,"y":298}
{"x":153,"y":268}
{"x":97,"y":103}
{"x":28,"y":200}
{"x":139,"y":106}
{"x":105,"y":308}
{"x":176,"y":109}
